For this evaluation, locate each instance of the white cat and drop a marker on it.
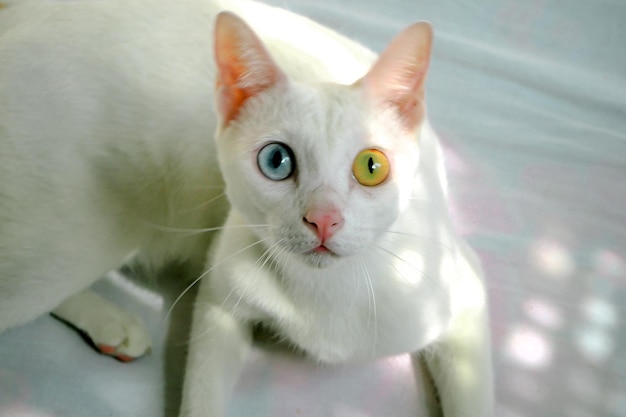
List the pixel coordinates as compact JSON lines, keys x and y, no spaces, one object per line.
{"x":337,"y":237}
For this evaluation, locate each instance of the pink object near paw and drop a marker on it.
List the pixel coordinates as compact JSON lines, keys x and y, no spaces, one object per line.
{"x":112,"y":351}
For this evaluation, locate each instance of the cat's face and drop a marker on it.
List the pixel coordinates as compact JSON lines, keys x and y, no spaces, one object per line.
{"x":321,"y":170}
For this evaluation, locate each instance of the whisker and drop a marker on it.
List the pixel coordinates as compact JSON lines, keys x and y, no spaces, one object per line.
{"x":204,"y":187}
{"x":414,"y":236}
{"x":282,"y":253}
{"x":195,"y":231}
{"x":398,"y":257}
{"x":358,"y":281}
{"x":204,"y":274}
{"x":234,"y":288}
{"x":371,"y":302}
{"x":266,"y":256}
{"x":420,"y":199}
{"x":204,"y":204}
{"x":425,"y":278}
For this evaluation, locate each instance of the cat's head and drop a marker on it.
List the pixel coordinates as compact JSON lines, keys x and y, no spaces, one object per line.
{"x":323,"y":169}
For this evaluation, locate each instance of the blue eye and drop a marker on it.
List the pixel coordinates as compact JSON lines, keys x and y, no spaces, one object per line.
{"x":276,"y":161}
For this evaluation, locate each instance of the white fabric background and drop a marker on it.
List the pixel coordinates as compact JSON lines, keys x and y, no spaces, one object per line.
{"x":529,"y":98}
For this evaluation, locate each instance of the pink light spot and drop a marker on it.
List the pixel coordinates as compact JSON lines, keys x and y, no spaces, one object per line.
{"x":552,"y":258}
{"x":543,"y":313}
{"x":527,"y":347}
{"x":609,"y":263}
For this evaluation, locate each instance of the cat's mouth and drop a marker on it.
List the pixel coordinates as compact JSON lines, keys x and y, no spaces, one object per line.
{"x":320,"y":256}
{"x":321,"y":249}
{"x":317,"y":254}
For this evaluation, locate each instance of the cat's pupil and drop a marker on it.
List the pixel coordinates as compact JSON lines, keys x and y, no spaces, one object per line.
{"x":277,"y":159}
{"x":370,"y":165}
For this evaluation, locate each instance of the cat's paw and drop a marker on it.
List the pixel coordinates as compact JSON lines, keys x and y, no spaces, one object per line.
{"x":112,"y":330}
{"x":125,"y":337}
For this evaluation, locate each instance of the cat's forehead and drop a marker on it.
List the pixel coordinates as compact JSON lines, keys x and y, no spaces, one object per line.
{"x":330,"y":117}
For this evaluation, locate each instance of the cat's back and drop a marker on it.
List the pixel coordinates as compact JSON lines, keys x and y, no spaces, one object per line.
{"x":83,"y":53}
{"x":99,"y":100}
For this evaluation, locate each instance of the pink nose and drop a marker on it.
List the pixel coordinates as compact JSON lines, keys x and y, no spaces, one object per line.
{"x":325,"y":223}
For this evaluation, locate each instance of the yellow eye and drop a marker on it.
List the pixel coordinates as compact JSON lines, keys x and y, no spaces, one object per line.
{"x":371,"y":167}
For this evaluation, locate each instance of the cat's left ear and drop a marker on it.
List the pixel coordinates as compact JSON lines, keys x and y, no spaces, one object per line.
{"x":244,"y":67}
{"x":398,"y":77}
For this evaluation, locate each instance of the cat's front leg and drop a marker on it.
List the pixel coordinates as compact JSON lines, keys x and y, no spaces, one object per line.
{"x":218,"y":348}
{"x":460,"y":366}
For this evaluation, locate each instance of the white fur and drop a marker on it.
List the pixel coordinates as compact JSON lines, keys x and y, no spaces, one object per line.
{"x":106,"y":121}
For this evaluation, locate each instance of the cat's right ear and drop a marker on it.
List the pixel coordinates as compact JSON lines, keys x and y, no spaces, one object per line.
{"x":244,"y":67}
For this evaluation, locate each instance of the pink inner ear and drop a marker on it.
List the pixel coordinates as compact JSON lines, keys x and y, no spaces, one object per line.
{"x":398,"y":76}
{"x":229,"y":98}
{"x":244,"y":67}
